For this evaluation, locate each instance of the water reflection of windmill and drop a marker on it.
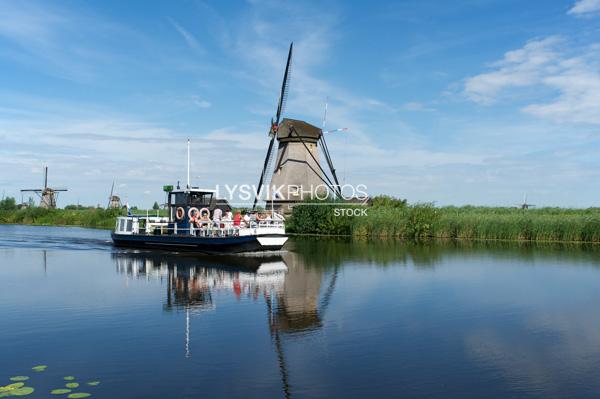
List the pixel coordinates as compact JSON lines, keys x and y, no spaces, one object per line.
{"x":292,"y":159}
{"x":298,"y":308}
{"x":47,"y":195}
{"x":296,"y":296}
{"x":191,"y":280}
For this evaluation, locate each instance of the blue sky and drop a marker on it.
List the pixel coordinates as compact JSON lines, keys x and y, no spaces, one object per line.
{"x":463,"y":102}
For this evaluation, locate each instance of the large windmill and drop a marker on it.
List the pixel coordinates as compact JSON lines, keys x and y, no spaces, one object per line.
{"x":48,"y":196}
{"x":293,"y":162}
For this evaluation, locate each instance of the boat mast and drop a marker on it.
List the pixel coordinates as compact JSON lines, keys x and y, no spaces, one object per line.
{"x":188,"y":163}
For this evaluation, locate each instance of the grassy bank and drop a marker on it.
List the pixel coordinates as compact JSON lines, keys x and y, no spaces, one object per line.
{"x":425,"y":221}
{"x":89,"y":217}
{"x":387,"y":218}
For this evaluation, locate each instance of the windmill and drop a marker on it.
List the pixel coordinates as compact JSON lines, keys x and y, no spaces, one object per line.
{"x":114,"y":201}
{"x":48,"y":196}
{"x":292,"y":162}
{"x":525,"y":205}
{"x":298,"y":308}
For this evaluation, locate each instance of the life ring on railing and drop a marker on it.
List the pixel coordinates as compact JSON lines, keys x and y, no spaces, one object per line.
{"x":205,"y":210}
{"x":193,"y":214}
{"x":180,"y":213}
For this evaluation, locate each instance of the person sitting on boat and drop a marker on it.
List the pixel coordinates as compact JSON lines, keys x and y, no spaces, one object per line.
{"x":260,"y":217}
{"x":246,"y":219}
{"x":217,"y":215}
{"x":227,"y":220}
{"x":204,"y":220}
{"x":237,"y":219}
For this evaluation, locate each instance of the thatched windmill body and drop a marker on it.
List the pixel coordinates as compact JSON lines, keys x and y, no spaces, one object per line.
{"x":47,"y":195}
{"x":292,"y":166}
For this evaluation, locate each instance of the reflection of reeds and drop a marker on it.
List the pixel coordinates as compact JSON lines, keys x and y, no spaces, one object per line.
{"x":423,"y":221}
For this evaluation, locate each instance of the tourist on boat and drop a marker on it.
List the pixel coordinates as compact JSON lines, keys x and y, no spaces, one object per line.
{"x":237,"y":219}
{"x":217,"y":215}
{"x":228,"y":220}
{"x":246,"y":219}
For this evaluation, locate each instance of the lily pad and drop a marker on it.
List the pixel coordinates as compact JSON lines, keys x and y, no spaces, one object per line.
{"x":69,"y":378}
{"x":60,"y":391}
{"x":93,"y":383}
{"x":72,"y":385}
{"x":41,"y":367}
{"x":77,"y":395}
{"x":22,"y":391}
{"x":11,"y":387}
{"x":19,"y":378}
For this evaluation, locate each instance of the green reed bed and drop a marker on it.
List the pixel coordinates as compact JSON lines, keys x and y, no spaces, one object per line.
{"x":424,"y":221}
{"x":89,"y":217}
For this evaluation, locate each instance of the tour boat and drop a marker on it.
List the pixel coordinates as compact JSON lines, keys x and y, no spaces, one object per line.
{"x":191,"y":225}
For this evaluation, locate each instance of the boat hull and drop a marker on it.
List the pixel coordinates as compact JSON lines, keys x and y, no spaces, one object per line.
{"x":233,"y":244}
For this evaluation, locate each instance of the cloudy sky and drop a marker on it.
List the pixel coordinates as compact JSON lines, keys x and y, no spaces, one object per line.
{"x":462,"y":102}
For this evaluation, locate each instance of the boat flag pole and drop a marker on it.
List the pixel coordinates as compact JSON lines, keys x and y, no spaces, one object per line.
{"x":188,"y":163}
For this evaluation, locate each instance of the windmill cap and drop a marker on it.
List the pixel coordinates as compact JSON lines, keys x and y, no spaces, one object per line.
{"x":303,"y":129}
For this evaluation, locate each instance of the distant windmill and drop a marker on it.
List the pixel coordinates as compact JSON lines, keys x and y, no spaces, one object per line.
{"x":114,"y":201}
{"x":48,"y":196}
{"x":292,"y":161}
{"x":525,"y":205}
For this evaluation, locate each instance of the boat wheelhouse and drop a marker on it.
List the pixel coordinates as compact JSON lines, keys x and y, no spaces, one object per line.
{"x":198,"y":221}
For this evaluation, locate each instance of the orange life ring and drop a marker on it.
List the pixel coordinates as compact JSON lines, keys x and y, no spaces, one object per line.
{"x":180,"y":213}
{"x":205,"y":210}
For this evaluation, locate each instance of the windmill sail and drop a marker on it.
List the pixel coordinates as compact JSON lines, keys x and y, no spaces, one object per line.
{"x":275,"y":125}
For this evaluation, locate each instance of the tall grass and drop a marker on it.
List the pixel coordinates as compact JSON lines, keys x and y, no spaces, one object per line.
{"x":425,"y":221}
{"x":90,"y":217}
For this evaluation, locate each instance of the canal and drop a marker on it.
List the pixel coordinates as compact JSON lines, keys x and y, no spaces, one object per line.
{"x":325,"y":318}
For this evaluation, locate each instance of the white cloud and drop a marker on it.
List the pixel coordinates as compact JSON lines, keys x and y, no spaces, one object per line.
{"x":190,"y":39}
{"x":545,"y":66}
{"x":201,"y":103}
{"x":585,"y":7}
{"x":518,"y":68}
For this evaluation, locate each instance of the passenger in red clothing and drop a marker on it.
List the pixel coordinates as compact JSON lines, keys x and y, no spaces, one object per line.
{"x":237,"y":219}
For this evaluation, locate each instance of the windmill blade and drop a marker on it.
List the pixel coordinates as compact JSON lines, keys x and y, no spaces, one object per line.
{"x":262,"y":175}
{"x":111,"y":194}
{"x":344,"y":129}
{"x":325,"y":114}
{"x":284,"y":86}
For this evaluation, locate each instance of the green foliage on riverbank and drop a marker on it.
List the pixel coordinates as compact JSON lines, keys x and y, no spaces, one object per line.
{"x":397,"y":219}
{"x":87,"y":217}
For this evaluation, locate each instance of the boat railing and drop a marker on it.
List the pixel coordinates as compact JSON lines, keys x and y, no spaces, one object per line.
{"x":224,"y":228}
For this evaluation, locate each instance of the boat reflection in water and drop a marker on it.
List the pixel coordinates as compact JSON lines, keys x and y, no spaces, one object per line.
{"x":291,"y":290}
{"x":192,"y":279}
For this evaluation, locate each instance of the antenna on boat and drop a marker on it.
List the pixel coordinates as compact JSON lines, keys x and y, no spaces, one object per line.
{"x":188,"y":163}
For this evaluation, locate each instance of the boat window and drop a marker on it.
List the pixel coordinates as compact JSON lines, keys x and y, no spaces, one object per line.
{"x":200,"y":199}
{"x":121,"y":224}
{"x":180,"y":199}
{"x":129,"y":224}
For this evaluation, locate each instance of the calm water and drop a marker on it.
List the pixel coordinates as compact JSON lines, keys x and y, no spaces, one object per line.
{"x":323,"y":319}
